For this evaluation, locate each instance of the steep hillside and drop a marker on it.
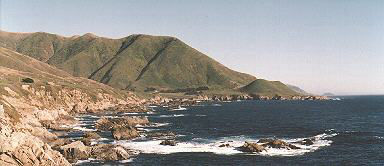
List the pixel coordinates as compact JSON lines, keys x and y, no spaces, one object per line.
{"x":133,"y":62}
{"x":268,"y":88}
{"x":16,"y":67}
{"x":34,"y":97}
{"x":165,"y":62}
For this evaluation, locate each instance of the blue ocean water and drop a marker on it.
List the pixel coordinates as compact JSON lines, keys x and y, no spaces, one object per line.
{"x":349,"y":131}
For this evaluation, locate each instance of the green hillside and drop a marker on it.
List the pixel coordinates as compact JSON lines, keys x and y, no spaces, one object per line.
{"x":136,"y":61}
{"x":15,"y":67}
{"x":268,"y":88}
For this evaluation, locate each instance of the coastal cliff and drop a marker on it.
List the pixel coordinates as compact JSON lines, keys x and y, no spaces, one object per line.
{"x":33,"y":98}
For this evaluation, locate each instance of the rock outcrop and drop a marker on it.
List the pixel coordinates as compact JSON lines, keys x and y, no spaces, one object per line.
{"x":18,"y":147}
{"x":27,"y":111}
{"x":106,"y":124}
{"x":124,"y":133}
{"x":306,"y":142}
{"x":252,"y":147}
{"x":109,"y":152}
{"x":88,"y":137}
{"x":224,"y":145}
{"x":75,"y":151}
{"x":264,"y":144}
{"x":168,"y":142}
{"x":280,"y":144}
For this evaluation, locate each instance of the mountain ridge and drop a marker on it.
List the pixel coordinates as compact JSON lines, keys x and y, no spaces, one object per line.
{"x":135,"y":62}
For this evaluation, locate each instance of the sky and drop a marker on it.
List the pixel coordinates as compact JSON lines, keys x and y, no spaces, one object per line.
{"x":321,"y":46}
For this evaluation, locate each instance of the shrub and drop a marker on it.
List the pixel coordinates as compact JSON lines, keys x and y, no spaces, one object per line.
{"x":27,"y":80}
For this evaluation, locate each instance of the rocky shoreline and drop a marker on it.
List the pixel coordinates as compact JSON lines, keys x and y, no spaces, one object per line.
{"x":30,"y":114}
{"x":34,"y":126}
{"x":174,"y":103}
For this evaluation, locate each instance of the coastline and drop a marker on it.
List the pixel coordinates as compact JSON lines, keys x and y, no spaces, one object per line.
{"x":36,"y":116}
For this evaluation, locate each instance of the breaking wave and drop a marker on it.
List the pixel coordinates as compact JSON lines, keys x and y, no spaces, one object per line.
{"x":212,"y":146}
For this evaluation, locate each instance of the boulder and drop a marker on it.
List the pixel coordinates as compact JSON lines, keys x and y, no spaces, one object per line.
{"x":224,"y":145}
{"x":56,"y":127}
{"x":277,"y":144}
{"x":252,"y":147}
{"x":86,"y":141}
{"x":7,"y":159}
{"x":57,"y":143}
{"x":307,"y":142}
{"x":124,"y":133}
{"x":109,"y":152}
{"x":88,"y":137}
{"x":106,"y":124}
{"x":291,"y":146}
{"x":91,"y":135}
{"x":280,"y":144}
{"x":75,"y":151}
{"x":168,"y":142}
{"x":34,"y":155}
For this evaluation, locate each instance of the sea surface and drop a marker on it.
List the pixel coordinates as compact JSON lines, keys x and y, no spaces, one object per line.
{"x":349,"y":131}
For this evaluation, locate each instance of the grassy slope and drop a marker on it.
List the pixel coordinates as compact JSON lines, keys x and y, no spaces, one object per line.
{"x":16,"y":66}
{"x":166,"y":62}
{"x":268,"y":88}
{"x":136,"y":61}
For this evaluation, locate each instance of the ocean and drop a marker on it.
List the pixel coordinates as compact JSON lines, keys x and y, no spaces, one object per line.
{"x":349,"y":131}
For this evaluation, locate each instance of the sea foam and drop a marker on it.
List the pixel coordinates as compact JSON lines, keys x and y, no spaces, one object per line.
{"x":212,"y":146}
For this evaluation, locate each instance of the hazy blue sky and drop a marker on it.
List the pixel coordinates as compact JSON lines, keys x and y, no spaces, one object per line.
{"x":322,"y":46}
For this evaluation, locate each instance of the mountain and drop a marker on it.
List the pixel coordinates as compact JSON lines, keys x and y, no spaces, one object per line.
{"x":298,"y":89}
{"x":268,"y":88}
{"x":17,"y":69}
{"x":136,"y":61}
{"x":36,"y":97}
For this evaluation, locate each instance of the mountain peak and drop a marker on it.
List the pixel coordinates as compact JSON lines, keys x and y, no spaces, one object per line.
{"x":90,"y":35}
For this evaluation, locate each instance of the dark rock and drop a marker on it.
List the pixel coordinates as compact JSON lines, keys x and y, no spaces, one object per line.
{"x":224,"y":145}
{"x":307,"y":142}
{"x":168,"y":142}
{"x":293,"y":146}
